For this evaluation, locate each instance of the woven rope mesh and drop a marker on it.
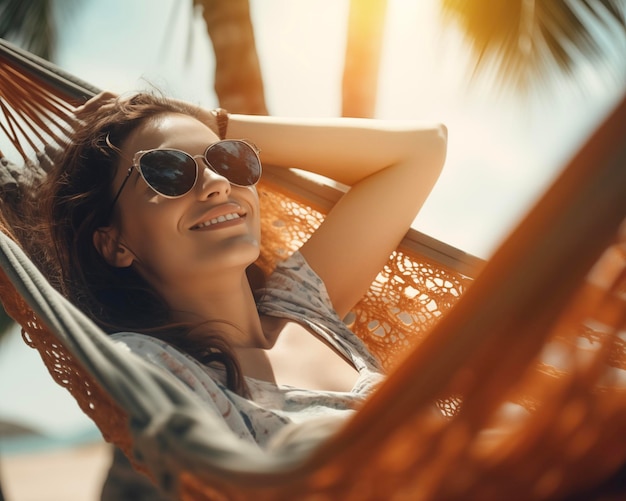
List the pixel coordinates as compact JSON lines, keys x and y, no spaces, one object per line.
{"x":565,"y":434}
{"x":542,"y":413}
{"x":573,"y":392}
{"x":403,"y":303}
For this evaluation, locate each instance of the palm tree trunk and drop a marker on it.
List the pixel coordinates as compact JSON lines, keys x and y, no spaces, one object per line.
{"x":238,"y":80}
{"x":366,"y":24}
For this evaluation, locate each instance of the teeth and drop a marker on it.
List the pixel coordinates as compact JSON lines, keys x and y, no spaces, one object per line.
{"x":219,"y":219}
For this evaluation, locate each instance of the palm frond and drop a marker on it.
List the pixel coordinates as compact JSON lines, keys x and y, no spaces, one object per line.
{"x":29,"y":24}
{"x":529,"y":42}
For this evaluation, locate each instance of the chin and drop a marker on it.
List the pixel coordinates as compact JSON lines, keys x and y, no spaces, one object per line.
{"x":242,"y":252}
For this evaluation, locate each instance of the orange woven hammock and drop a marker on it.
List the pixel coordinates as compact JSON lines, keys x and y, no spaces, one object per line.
{"x":542,"y":328}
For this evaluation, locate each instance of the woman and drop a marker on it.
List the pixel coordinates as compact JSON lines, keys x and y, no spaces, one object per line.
{"x":159,"y":248}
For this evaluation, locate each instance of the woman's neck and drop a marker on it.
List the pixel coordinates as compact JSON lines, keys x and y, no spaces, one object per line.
{"x":226,"y":306}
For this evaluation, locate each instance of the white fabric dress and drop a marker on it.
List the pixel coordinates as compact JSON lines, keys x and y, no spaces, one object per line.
{"x":295,"y":292}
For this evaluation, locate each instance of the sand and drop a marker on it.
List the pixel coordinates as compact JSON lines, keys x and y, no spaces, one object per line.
{"x":62,"y":474}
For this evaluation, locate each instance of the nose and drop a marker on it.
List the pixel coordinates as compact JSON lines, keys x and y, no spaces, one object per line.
{"x":210,"y":183}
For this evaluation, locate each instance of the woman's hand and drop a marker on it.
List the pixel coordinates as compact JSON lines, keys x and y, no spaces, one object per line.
{"x":107,"y":100}
{"x":103,"y":99}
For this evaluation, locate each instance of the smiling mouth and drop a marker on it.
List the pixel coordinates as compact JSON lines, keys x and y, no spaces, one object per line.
{"x":219,"y":219}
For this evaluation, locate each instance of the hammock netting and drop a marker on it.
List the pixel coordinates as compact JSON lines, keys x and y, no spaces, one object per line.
{"x":524,"y":355}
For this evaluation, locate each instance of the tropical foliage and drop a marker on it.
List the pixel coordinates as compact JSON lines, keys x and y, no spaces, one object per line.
{"x":29,"y":24}
{"x":535,"y":42}
{"x":522,"y":42}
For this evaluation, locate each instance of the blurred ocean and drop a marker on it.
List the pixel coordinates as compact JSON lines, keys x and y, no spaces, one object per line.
{"x":35,"y":413}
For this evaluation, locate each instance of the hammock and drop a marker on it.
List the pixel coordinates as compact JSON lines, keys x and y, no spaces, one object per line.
{"x":541,"y":327}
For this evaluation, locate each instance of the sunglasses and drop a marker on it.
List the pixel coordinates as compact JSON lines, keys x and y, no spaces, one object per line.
{"x":173,"y":173}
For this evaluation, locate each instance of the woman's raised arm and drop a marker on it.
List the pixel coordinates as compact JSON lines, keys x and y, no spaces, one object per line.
{"x":391,"y":167}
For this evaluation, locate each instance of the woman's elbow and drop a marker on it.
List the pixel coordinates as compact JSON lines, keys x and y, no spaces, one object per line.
{"x":421,"y":148}
{"x":442,"y":143}
{"x":441,"y":137}
{"x":433,"y":151}
{"x":443,"y":133}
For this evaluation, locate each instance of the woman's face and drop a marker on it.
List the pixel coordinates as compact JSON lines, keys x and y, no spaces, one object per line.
{"x":170,"y":240}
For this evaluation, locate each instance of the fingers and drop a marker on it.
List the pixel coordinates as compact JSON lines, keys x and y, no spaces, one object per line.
{"x":100,"y":100}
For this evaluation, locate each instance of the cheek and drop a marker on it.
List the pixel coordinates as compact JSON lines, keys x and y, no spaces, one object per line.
{"x":159,"y":256}
{"x":147,"y":230}
{"x":256,"y":208}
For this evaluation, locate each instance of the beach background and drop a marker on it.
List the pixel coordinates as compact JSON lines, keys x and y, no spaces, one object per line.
{"x":503,"y":152}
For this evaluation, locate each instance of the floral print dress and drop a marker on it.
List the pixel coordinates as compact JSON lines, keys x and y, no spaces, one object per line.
{"x":294,"y":292}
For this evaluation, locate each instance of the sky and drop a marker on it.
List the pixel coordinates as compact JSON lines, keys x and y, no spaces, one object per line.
{"x":503,"y":151}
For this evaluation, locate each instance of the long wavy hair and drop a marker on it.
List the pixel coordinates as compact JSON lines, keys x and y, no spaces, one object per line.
{"x":77,"y":201}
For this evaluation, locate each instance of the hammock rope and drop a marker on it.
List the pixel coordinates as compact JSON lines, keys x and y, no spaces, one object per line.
{"x":37,"y":100}
{"x":538,"y":329}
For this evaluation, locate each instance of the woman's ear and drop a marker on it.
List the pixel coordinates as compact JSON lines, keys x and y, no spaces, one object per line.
{"x":106,"y":241}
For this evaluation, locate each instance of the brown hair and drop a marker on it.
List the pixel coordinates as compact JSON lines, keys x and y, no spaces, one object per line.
{"x":77,"y":201}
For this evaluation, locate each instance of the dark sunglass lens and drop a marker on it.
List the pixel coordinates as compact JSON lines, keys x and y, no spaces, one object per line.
{"x":236,"y":161}
{"x":171,"y":173}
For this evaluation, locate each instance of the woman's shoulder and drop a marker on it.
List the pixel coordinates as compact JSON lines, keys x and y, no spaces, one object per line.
{"x":294,"y":284}
{"x":295,"y":291}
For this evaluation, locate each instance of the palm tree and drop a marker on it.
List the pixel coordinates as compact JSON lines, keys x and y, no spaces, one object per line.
{"x":238,"y":80}
{"x":366,"y":23}
{"x":526,"y":43}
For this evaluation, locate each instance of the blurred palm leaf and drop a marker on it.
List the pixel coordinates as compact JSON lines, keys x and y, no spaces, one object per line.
{"x":29,"y":24}
{"x":532,"y":41}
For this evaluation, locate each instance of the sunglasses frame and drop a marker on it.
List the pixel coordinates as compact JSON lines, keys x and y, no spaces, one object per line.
{"x":137,"y":165}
